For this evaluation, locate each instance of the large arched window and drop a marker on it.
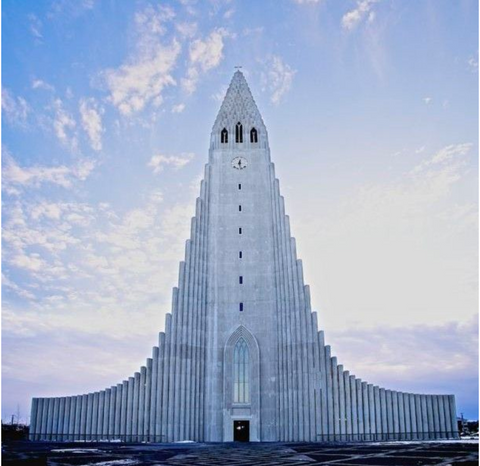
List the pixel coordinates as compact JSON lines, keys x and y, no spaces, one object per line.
{"x":253,"y":135}
{"x":241,"y":373}
{"x":238,"y":132}
{"x":224,"y":136}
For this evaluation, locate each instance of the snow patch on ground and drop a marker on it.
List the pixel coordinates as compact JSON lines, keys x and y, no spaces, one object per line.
{"x":115,"y":463}
{"x":418,"y":442}
{"x":77,"y":450}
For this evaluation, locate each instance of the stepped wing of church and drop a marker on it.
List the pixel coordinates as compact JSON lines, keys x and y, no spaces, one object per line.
{"x":241,"y":357}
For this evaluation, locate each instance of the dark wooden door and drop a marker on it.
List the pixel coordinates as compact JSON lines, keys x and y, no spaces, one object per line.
{"x":241,"y":431}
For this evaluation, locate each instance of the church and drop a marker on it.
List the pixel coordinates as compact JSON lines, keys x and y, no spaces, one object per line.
{"x":241,"y":358}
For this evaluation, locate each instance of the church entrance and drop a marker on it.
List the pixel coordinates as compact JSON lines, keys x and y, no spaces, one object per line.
{"x":241,"y":431}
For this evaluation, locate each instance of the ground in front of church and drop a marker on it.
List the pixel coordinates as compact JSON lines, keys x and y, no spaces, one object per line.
{"x":454,"y":453}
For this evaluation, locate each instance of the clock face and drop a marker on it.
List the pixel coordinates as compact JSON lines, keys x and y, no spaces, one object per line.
{"x":239,"y":163}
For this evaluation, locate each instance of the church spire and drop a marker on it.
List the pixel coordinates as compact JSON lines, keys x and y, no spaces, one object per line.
{"x":238,"y":106}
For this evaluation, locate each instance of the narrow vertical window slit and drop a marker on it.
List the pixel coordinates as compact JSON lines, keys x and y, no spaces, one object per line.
{"x":238,"y":133}
{"x":224,"y":136}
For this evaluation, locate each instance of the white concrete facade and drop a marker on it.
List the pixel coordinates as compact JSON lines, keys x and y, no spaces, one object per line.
{"x":241,"y":342}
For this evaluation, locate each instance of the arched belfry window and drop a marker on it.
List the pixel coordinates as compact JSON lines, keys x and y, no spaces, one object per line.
{"x":224,"y":136}
{"x":238,"y":132}
{"x":241,"y":372}
{"x":253,"y":135}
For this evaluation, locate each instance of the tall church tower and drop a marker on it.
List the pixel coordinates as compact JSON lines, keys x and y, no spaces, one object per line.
{"x":243,"y":272}
{"x":241,"y":357}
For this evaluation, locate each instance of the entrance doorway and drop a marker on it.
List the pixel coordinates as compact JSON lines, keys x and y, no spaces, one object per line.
{"x":241,"y":431}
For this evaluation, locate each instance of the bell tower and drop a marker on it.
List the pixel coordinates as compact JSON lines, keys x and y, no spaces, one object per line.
{"x":241,"y":292}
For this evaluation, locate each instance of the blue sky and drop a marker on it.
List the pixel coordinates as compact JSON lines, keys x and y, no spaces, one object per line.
{"x":372,"y":113}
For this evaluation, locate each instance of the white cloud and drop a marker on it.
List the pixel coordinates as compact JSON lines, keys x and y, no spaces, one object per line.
{"x":83,"y":169}
{"x":143,"y":78}
{"x":278,"y":79}
{"x":308,"y":2}
{"x":158,"y":162}
{"x":427,"y":100}
{"x":220,"y":95}
{"x":31,"y":262}
{"x":178,"y":108}
{"x":353,"y":18}
{"x":15,"y":176}
{"x":92,"y":122}
{"x":187,"y":29}
{"x":472,"y":64}
{"x":134,"y":85}
{"x":22,"y":292}
{"x":15,"y":109}
{"x":64,"y":125}
{"x":229,"y":13}
{"x":151,"y":22}
{"x":204,"y":55}
{"x":88,"y":4}
{"x":448,"y":154}
{"x":253,"y":31}
{"x":46,"y":209}
{"x":35,"y":26}
{"x":39,"y":84}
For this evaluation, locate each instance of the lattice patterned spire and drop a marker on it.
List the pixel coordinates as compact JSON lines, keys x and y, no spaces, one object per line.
{"x":238,"y":106}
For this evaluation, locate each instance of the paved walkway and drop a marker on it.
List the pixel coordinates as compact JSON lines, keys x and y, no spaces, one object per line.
{"x":260,"y":454}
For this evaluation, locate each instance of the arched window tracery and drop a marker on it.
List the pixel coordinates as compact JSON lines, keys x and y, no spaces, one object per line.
{"x":241,"y":372}
{"x":224,"y":136}
{"x":253,"y":135}
{"x":238,"y":132}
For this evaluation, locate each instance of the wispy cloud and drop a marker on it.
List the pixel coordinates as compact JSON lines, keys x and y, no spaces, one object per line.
{"x":91,"y":113}
{"x":179,"y":108}
{"x":204,"y":55}
{"x":448,"y":156}
{"x":15,"y":109}
{"x":40,"y":84}
{"x":14,"y":176}
{"x":472,"y":64}
{"x":229,"y":13}
{"x":151,"y":22}
{"x":187,"y":29}
{"x":277,"y":79}
{"x":148,"y":71}
{"x":135,"y":85}
{"x":308,"y":2}
{"x":64,"y":125}
{"x":220,"y":95}
{"x":35,"y":26}
{"x":158,"y":162}
{"x":362,"y":11}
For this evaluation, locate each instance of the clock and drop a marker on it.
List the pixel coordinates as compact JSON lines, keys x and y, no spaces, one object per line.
{"x":239,"y":163}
